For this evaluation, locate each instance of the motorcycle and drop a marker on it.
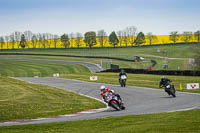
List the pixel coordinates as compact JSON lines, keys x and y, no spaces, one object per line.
{"x":123,"y":80}
{"x":114,"y":101}
{"x":169,"y":88}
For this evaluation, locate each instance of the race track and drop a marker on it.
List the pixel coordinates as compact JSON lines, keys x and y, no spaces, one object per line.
{"x":137,"y":100}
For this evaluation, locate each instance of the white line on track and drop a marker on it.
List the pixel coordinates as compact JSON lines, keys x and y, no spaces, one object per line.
{"x":184,"y":109}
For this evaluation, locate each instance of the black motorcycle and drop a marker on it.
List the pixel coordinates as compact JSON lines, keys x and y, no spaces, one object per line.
{"x":169,"y":88}
{"x":123,"y":80}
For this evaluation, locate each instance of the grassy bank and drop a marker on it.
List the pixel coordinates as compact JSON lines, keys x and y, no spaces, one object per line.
{"x":141,"y":80}
{"x":21,"y":100}
{"x":29,"y":68}
{"x":173,"y":64}
{"x":177,"y":122}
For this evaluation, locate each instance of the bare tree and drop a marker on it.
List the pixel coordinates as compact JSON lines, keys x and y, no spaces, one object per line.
{"x":2,"y":42}
{"x":174,"y":36}
{"x":151,"y":38}
{"x":48,"y":39}
{"x":34,"y":40}
{"x":40,"y":40}
{"x":125,"y":37}
{"x":12,"y":40}
{"x":120,"y":37}
{"x":187,"y":36}
{"x":131,"y":33}
{"x":28,"y":36}
{"x":17,"y":36}
{"x":43,"y":40}
{"x":55,"y":40}
{"x":7,"y":39}
{"x":197,"y":35}
{"x":78,"y":37}
{"x":102,"y":37}
{"x":71,"y":39}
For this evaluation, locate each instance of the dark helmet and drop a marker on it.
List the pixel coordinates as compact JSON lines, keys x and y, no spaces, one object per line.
{"x":122,"y":70}
{"x":162,"y":78}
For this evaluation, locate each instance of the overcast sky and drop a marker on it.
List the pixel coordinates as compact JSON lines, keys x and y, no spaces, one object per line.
{"x":66,"y":16}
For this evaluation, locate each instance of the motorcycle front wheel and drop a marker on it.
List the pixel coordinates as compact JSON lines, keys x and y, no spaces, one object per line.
{"x":115,"y":106}
{"x":173,"y":92}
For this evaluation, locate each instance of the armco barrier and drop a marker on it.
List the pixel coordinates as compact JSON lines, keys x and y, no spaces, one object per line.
{"x":157,"y":72}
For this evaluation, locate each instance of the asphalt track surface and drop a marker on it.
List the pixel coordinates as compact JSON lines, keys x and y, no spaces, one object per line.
{"x":137,"y":100}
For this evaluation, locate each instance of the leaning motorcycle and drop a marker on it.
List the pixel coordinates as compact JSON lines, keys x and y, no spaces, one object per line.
{"x":123,"y":80}
{"x":169,"y":88}
{"x":114,"y":101}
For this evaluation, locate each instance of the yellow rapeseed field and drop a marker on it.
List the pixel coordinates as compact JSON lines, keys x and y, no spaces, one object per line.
{"x":161,"y":39}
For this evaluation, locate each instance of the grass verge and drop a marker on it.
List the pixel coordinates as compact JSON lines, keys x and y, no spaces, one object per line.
{"x":141,"y":80}
{"x":177,"y":122}
{"x":21,"y":100}
{"x":29,"y":68}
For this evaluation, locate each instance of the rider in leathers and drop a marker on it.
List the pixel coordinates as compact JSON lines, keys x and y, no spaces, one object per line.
{"x":122,"y":73}
{"x":105,"y":90}
{"x":164,"y":82}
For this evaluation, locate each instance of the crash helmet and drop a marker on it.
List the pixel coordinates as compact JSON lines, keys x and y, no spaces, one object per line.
{"x":103,"y":88}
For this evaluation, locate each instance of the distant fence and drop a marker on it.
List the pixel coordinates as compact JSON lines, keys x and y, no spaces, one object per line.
{"x":157,"y":72}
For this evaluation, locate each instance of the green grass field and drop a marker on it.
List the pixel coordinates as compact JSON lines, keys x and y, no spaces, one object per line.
{"x":176,"y":51}
{"x":183,"y":52}
{"x":29,"y":68}
{"x":22,"y":100}
{"x":173,"y":64}
{"x":177,"y":122}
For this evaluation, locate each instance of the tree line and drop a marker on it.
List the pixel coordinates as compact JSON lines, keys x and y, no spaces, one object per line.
{"x":129,"y":36}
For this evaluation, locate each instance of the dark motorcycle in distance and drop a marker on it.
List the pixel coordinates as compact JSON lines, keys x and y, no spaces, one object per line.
{"x":114,"y":101}
{"x":169,"y":88}
{"x":123,"y":80}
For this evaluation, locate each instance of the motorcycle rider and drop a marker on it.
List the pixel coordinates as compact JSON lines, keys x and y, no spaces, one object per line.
{"x":105,"y":90}
{"x":164,"y":82}
{"x":122,"y":73}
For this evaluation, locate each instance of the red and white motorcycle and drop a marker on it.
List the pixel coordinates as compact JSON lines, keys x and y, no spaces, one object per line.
{"x":114,"y":101}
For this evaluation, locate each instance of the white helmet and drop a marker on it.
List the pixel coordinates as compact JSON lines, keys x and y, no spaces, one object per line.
{"x":102,"y":88}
